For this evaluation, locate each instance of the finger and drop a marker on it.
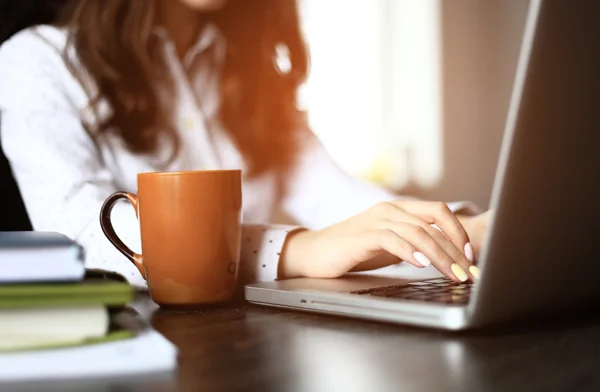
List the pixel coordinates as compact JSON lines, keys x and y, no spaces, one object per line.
{"x":438,"y":214}
{"x":448,"y":247}
{"x":387,"y":240}
{"x":444,"y":254}
{"x":392,"y":212}
{"x":456,"y":255}
{"x":429,"y":248}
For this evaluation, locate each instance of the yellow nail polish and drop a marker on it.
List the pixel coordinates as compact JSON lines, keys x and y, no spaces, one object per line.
{"x":459,"y":272}
{"x":474,"y":271}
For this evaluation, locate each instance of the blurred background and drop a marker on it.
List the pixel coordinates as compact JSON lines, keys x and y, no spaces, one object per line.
{"x":414,"y":94}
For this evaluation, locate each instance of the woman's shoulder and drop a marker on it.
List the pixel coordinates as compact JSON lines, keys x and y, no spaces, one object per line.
{"x":32,"y":65}
{"x":37,"y":42}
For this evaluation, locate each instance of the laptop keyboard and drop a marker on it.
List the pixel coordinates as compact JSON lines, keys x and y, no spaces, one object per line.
{"x":439,"y":290}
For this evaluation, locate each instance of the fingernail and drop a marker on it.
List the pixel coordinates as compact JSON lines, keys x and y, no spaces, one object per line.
{"x":469,"y":252}
{"x":459,"y":272}
{"x":436,"y":227}
{"x":474,"y":271}
{"x":421,"y":259}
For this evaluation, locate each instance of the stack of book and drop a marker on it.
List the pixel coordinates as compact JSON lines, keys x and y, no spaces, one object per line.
{"x":58,"y":320}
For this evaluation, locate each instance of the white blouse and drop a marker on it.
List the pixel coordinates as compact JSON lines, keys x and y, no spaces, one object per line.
{"x":64,"y":176}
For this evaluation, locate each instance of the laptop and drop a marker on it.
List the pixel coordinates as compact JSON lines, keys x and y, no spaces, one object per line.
{"x":541,"y":252}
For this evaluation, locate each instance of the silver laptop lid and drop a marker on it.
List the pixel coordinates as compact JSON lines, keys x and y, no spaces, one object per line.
{"x":540,"y":251}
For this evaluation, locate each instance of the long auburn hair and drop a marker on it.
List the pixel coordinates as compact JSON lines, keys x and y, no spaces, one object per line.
{"x":115,"y":46}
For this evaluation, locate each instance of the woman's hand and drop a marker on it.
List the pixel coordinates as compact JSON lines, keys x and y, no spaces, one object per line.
{"x":418,"y":232}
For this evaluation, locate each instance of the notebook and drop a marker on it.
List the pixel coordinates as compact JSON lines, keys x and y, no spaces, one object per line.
{"x":133,"y":348}
{"x":42,"y":315}
{"x":86,"y":292}
{"x":24,"y":329}
{"x":31,"y":256}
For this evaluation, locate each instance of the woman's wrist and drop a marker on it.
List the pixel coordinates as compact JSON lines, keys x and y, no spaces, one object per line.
{"x":475,"y":226}
{"x":465,"y":221}
{"x":292,"y":260}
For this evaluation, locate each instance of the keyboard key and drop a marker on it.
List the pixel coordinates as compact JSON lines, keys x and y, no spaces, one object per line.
{"x":439,"y":280}
{"x":419,"y":297}
{"x":364,"y":291}
{"x":438,"y":290}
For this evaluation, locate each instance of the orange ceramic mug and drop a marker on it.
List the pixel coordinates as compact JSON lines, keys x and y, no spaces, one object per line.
{"x":190,"y":229}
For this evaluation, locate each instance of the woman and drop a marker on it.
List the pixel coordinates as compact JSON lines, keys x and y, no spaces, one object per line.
{"x":126,"y":86}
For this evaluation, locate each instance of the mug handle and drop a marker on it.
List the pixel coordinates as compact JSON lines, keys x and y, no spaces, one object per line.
{"x":110,"y":233}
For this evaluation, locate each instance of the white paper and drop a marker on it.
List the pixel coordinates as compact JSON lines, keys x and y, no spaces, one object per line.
{"x":147,"y":352}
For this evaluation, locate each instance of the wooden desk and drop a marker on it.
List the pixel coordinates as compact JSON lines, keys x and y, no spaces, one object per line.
{"x":244,"y":347}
